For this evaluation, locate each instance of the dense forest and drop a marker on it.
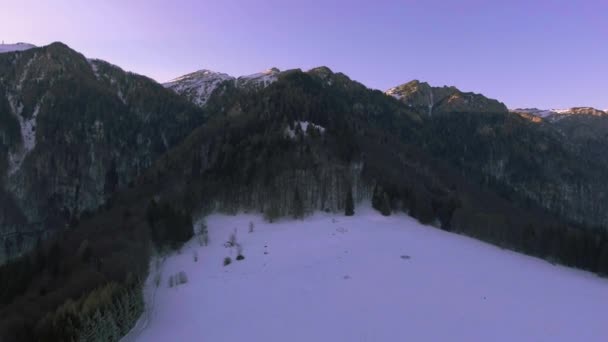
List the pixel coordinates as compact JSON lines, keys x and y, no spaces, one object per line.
{"x":310,"y":141}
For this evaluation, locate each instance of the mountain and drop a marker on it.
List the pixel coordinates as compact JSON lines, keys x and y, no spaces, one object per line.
{"x":423,"y":98}
{"x":74,"y":131}
{"x":584,"y":126}
{"x":131,"y":166}
{"x":198,"y":86}
{"x":15,"y":47}
{"x":541,"y":113}
{"x":558,"y":114}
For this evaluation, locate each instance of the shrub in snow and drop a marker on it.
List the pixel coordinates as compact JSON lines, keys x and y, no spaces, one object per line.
{"x":231,"y":240}
{"x":227,"y":261}
{"x":240,"y":257}
{"x":251,"y":226}
{"x":178,"y":279}
{"x":182,"y":278}
{"x":171,"y":281}
{"x":203,"y":239}
{"x":195,"y":256}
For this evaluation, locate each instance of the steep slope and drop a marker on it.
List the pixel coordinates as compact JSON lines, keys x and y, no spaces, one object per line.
{"x":423,"y":98}
{"x":73,"y":131}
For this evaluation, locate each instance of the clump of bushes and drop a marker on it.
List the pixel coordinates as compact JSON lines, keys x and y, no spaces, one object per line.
{"x":178,"y":279}
{"x":227,"y":261}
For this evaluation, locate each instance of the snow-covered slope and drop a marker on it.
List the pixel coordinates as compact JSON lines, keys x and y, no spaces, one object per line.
{"x":365,"y":278}
{"x":15,"y":47}
{"x":199,"y":85}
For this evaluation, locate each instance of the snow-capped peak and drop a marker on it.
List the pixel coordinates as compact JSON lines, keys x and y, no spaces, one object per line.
{"x":260,"y":79}
{"x":203,"y":73}
{"x":199,"y":85}
{"x":15,"y":47}
{"x":394,"y":92}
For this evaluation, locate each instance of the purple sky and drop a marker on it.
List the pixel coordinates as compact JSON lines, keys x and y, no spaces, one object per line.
{"x":543,"y":53}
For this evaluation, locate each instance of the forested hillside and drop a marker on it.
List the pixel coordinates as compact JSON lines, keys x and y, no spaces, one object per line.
{"x":72,"y":132}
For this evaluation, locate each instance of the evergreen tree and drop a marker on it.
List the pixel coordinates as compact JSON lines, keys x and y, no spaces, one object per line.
{"x":376,"y":201}
{"x":381,"y":201}
{"x":349,"y":209}
{"x":298,"y":205}
{"x":603,"y":262}
{"x":385,"y":208}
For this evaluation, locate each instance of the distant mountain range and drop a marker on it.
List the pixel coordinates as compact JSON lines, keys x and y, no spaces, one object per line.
{"x":15,"y":47}
{"x":557,"y":114}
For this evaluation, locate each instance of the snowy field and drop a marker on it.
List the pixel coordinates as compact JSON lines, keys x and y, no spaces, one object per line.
{"x":365,"y":278}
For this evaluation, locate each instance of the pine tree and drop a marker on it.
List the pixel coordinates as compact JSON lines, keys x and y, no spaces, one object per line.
{"x":349,"y":209}
{"x":603,"y":262}
{"x":376,"y":201}
{"x":298,"y":205}
{"x":385,"y":208}
{"x":381,"y":201}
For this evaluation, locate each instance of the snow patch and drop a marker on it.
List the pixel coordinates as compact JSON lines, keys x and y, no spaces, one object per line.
{"x":28,"y":139}
{"x":365,"y":278}
{"x":291,"y":133}
{"x":121,"y":96}
{"x":94,"y":67}
{"x":394,"y":92}
{"x":431,"y":102}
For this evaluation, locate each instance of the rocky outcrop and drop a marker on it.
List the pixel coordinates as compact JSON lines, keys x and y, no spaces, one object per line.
{"x":423,"y":98}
